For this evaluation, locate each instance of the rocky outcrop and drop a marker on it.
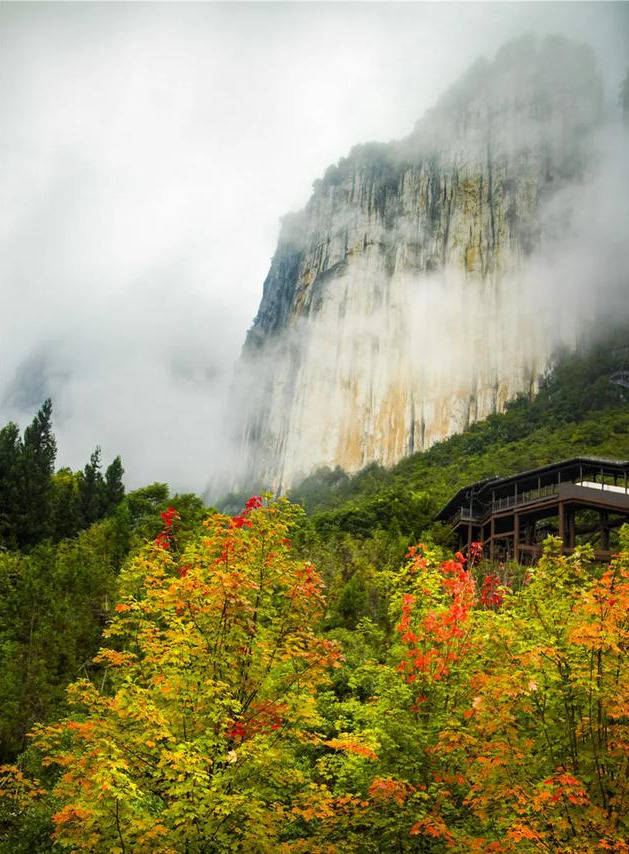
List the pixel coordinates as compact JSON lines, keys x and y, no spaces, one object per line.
{"x":399,"y":306}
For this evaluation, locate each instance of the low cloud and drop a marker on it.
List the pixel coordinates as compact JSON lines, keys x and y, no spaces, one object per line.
{"x":147,"y":155}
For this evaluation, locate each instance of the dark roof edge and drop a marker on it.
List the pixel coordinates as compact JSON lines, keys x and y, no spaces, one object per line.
{"x":497,"y":480}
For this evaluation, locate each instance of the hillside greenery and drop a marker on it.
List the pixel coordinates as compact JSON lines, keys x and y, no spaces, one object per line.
{"x":475,"y":717}
{"x":577,"y":411}
{"x":55,"y":601}
{"x":63,"y":538}
{"x":286,"y":678}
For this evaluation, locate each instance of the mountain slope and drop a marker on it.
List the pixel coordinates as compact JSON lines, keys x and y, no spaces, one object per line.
{"x":406,"y":300}
{"x":577,"y":411}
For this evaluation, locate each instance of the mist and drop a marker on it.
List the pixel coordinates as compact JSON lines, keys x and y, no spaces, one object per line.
{"x":422,"y":300}
{"x":148,"y":153}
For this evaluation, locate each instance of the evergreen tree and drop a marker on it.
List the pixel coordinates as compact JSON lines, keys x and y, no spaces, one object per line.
{"x":114,"y":488}
{"x":39,"y":440}
{"x":36,"y":503}
{"x":10,"y":454}
{"x":37,"y":461}
{"x":92,"y":489}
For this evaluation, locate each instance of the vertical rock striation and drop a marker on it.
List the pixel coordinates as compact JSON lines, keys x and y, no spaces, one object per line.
{"x":400,"y":305}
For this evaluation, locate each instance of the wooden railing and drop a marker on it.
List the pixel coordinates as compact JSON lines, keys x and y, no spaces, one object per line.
{"x":480,"y":513}
{"x":464,"y":514}
{"x":508,"y":501}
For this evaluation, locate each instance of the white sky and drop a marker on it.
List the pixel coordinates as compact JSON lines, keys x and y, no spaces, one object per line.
{"x":147,"y":152}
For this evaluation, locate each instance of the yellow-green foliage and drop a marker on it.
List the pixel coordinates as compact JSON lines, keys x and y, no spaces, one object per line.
{"x":473,"y":718}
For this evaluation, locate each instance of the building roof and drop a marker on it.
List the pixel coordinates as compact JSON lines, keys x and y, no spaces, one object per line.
{"x":543,"y":474}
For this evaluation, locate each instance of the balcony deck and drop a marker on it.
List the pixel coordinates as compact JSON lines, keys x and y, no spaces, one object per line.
{"x":509,"y":522}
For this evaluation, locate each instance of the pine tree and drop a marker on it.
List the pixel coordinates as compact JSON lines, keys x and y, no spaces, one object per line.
{"x":37,"y":461}
{"x":92,"y":489}
{"x":114,"y":487}
{"x":10,"y":453}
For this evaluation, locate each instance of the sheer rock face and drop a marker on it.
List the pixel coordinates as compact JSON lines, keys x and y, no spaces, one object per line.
{"x":398,"y":308}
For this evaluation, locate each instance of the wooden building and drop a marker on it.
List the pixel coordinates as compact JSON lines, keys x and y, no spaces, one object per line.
{"x":581,"y":500}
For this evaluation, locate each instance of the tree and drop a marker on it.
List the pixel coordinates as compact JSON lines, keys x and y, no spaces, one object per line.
{"x":92,"y":489}
{"x":39,"y":440}
{"x":114,"y":487}
{"x":10,"y":454}
{"x":54,"y":604}
{"x":194,"y":745}
{"x":544,"y":751}
{"x":56,"y":599}
{"x":66,"y":517}
{"x":507,"y":731}
{"x":476,"y":718}
{"x":36,"y":503}
{"x":37,"y":460}
{"x":25,"y":823}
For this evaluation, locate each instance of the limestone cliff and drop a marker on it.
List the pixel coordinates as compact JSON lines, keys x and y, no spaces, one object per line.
{"x":399,"y":305}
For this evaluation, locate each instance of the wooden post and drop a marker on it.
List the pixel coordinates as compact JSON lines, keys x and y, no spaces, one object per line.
{"x":562,"y":523}
{"x":571,"y":526}
{"x":491,"y":539}
{"x":516,"y":537}
{"x":469,"y":536}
